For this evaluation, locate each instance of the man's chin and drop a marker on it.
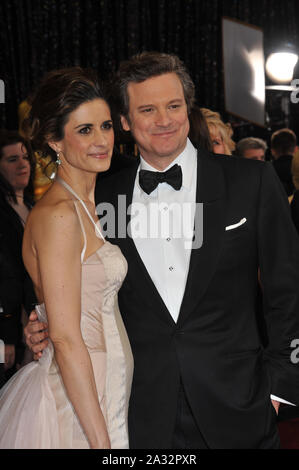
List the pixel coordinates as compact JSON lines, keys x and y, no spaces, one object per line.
{"x":169,"y":152}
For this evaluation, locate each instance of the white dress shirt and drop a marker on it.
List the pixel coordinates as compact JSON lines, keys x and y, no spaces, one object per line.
{"x":162,"y":228}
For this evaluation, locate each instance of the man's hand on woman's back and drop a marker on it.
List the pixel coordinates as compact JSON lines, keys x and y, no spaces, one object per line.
{"x":36,"y":334}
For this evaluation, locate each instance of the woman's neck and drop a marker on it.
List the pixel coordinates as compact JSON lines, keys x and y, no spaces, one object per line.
{"x":84,"y":187}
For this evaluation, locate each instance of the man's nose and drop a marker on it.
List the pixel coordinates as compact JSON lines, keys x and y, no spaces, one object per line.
{"x":163,"y":118}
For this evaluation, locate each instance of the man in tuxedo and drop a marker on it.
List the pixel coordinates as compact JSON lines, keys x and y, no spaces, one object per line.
{"x":202,"y":378}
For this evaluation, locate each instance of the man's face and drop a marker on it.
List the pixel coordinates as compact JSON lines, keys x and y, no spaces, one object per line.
{"x":255,"y":154}
{"x":158,"y":118}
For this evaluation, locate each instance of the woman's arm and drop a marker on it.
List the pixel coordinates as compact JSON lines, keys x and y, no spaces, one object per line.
{"x":57,"y":238}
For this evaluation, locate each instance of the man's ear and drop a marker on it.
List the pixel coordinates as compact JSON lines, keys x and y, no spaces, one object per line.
{"x":124,"y":123}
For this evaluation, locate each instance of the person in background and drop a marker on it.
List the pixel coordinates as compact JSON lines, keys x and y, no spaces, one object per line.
{"x":16,"y":290}
{"x":283,"y":148}
{"x":251,"y":147}
{"x":220,"y":132}
{"x":199,"y":132}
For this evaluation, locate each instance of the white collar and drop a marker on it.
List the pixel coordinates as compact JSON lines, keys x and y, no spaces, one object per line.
{"x":187,"y":160}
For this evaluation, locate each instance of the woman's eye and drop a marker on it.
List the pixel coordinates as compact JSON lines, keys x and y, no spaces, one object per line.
{"x":215,"y":142}
{"x":85,"y":130}
{"x":107,"y":126}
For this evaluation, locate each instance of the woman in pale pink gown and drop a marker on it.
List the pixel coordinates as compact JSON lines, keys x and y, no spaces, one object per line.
{"x":77,"y":394}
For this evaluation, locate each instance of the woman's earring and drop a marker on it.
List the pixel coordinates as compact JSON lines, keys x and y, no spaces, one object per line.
{"x":58,"y":161}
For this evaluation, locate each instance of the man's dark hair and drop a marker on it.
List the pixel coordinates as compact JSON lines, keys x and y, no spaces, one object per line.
{"x":199,"y":132}
{"x":284,"y":142}
{"x":147,"y":65}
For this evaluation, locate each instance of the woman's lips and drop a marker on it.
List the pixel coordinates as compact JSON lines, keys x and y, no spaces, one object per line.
{"x":99,"y":156}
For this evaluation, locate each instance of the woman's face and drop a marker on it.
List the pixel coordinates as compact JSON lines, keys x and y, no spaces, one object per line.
{"x":217,"y":141}
{"x":15,"y":165}
{"x":88,"y":138}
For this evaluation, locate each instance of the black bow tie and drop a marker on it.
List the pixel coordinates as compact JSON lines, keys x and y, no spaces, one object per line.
{"x":149,"y":180}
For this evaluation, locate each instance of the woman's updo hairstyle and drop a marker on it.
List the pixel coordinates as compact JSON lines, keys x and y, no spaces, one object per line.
{"x":59,"y":94}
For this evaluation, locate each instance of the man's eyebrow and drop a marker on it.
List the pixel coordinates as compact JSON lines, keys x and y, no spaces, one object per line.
{"x":84,"y":125}
{"x":145,"y":106}
{"x":175,"y":100}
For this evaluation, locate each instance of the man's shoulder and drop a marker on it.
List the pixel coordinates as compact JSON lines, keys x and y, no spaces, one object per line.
{"x":117,"y":179}
{"x":119,"y":162}
{"x":231,"y":164}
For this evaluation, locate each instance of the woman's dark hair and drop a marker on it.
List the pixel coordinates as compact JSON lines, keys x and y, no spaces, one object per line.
{"x":199,"y":132}
{"x":59,"y":94}
{"x":6,"y":190}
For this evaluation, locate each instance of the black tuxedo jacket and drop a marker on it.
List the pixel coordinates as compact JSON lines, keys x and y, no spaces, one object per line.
{"x":215,"y":347}
{"x":295,"y":209}
{"x":283,"y":168}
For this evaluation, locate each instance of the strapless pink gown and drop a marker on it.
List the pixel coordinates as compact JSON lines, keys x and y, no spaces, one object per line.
{"x":35,"y":411}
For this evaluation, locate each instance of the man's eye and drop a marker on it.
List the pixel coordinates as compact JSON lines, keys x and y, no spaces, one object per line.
{"x":147,"y":110}
{"x":85,"y":130}
{"x":174,"y":106}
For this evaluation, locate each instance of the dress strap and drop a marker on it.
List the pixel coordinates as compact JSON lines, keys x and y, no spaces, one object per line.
{"x":63,"y":183}
{"x":83,"y":231}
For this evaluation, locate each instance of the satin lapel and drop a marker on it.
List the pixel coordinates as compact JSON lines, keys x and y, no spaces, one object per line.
{"x":136,"y":266}
{"x":211,"y":191}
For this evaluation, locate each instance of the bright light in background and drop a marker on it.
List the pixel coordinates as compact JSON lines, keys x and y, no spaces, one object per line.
{"x":256,"y":63}
{"x":280,"y":66}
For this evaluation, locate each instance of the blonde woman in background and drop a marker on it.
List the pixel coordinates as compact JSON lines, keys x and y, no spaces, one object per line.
{"x":220,"y":132}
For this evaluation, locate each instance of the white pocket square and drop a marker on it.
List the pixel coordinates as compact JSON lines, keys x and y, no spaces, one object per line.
{"x":231,"y":227}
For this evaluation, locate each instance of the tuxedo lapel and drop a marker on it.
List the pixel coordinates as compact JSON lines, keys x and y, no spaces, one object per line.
{"x":211,"y":191}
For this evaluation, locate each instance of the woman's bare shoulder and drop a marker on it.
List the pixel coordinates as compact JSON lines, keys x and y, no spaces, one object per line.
{"x":53,"y":216}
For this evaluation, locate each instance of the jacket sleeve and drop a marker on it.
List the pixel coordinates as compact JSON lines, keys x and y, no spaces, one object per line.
{"x":278,"y":246}
{"x":29,"y":297}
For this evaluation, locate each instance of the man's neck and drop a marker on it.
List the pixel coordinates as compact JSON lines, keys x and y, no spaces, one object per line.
{"x":161,"y":163}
